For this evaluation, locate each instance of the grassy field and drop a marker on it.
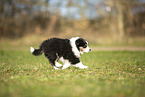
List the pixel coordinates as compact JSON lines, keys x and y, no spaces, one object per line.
{"x":110,"y":74}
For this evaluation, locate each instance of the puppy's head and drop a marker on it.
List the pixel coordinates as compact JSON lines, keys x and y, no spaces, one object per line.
{"x":82,"y":45}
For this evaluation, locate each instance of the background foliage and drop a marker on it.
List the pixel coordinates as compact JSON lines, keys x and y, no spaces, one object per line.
{"x":115,"y":19}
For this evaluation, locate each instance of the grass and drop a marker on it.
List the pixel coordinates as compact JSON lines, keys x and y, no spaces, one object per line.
{"x":110,"y":74}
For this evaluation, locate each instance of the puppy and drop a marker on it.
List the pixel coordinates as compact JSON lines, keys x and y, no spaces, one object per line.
{"x":66,"y":50}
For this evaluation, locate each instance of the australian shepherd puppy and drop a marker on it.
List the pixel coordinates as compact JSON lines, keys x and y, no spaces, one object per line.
{"x":66,"y":50}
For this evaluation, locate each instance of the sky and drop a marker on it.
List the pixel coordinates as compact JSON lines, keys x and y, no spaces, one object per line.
{"x":88,"y":10}
{"x":73,"y":11}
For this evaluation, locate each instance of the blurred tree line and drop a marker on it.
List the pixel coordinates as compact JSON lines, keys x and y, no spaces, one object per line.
{"x":117,"y":19}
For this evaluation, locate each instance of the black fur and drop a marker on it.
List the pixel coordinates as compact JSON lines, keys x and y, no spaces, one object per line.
{"x":81,"y":43}
{"x":38,"y":52}
{"x":55,"y":48}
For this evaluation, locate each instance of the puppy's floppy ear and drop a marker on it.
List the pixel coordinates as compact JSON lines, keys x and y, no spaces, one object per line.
{"x":78,"y":43}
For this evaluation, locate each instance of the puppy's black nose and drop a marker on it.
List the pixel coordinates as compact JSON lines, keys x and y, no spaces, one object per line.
{"x":89,"y":49}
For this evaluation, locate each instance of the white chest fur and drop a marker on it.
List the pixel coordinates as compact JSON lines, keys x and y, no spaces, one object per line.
{"x":74,"y":48}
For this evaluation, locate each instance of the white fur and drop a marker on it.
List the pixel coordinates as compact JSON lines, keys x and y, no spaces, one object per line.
{"x":32,"y":49}
{"x":58,"y":64}
{"x":66,"y":66}
{"x":55,"y":68}
{"x":66,"y":63}
{"x":81,"y":66}
{"x":87,"y":49}
{"x":74,"y":47}
{"x":62,"y":59}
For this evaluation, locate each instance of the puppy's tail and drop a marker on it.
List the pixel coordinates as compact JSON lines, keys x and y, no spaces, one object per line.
{"x":36,"y":52}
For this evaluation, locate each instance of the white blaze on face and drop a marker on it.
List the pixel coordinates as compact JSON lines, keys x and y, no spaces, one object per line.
{"x":87,"y":49}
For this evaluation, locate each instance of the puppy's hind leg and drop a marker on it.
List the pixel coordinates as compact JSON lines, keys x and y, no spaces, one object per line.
{"x":52,"y":59}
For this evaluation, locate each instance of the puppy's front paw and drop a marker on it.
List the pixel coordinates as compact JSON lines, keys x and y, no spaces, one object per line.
{"x":58,"y":64}
{"x":55,"y":68}
{"x":83,"y":67}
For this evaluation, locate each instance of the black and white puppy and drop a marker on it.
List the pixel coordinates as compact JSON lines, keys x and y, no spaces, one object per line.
{"x":66,"y":50}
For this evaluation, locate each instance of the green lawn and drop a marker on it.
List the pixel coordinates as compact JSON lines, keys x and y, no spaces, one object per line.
{"x":110,"y":74}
